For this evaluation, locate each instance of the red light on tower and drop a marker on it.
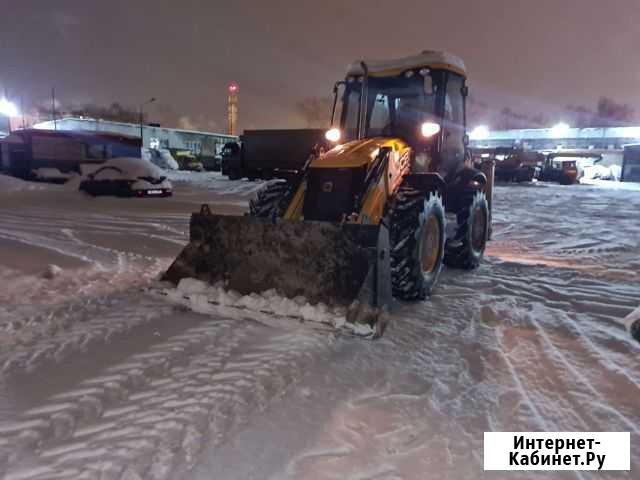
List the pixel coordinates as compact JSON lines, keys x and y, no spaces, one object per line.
{"x":232,"y":109}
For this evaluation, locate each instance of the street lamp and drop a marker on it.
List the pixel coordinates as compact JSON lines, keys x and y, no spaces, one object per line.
{"x":481,"y":132}
{"x":559,"y":130}
{"x":151,"y":100}
{"x":7,"y":108}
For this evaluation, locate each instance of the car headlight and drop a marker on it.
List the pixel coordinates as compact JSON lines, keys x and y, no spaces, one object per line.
{"x":333,"y":135}
{"x":429,"y":129}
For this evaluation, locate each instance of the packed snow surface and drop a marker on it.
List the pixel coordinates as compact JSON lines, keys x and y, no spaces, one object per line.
{"x":102,"y":378}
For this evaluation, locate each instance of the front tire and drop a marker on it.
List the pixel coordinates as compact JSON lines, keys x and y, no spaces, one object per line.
{"x":417,"y":235}
{"x":466,"y":247}
{"x":270,"y":201}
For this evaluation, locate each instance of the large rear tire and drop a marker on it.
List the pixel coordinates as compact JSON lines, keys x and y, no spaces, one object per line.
{"x":465,"y":248}
{"x":417,"y":235}
{"x":270,"y":201}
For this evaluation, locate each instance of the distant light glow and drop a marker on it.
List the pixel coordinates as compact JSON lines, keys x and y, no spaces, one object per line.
{"x":559,"y":130}
{"x":233,"y":88}
{"x":481,"y":132}
{"x":7,"y":108}
{"x":333,"y":135}
{"x":429,"y":129}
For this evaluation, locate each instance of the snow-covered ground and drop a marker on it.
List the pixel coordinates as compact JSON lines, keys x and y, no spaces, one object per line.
{"x":103,"y":379}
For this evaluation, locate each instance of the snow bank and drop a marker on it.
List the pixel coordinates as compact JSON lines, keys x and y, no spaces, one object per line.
{"x":601,"y":172}
{"x":206,"y":299}
{"x":53,"y":174}
{"x":612,"y":184}
{"x":161,"y":158}
{"x":11,"y":184}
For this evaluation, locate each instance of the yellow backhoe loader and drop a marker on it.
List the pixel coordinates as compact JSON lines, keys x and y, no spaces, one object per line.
{"x":373,"y":217}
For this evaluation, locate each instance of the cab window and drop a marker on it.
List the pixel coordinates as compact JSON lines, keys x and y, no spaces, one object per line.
{"x":453,"y":108}
{"x":453,"y":121}
{"x":380,"y":116}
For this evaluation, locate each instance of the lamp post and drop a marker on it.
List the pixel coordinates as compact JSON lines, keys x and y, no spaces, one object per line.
{"x":151,"y":100}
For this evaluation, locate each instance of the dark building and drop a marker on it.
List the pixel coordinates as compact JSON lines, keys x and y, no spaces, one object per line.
{"x":24,"y":151}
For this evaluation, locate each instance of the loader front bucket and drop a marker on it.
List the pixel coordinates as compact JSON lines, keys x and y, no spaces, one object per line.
{"x":343,"y":265}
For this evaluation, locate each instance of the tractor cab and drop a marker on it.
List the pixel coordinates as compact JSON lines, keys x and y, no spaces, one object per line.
{"x":419,"y":99}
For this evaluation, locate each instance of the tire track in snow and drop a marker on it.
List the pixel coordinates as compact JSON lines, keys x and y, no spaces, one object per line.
{"x":52,"y":335}
{"x":580,"y":377}
{"x":150,"y":414}
{"x":523,"y":391}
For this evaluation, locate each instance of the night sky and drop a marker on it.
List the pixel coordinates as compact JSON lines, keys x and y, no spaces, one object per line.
{"x":534,"y":55}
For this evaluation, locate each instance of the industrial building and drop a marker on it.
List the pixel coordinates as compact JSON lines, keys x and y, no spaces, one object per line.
{"x":560,"y":136}
{"x":202,"y":144}
{"x":24,"y":152}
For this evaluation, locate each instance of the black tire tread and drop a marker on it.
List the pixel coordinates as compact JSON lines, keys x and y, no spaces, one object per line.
{"x":458,"y":250}
{"x":270,"y":201}
{"x":404,"y":215}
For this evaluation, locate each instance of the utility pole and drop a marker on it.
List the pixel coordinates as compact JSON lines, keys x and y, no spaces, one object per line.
{"x":151,"y":100}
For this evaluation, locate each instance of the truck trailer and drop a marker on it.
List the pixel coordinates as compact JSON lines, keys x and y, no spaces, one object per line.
{"x":270,"y":154}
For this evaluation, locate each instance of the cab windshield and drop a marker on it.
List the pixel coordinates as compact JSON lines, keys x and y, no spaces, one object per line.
{"x":396,"y":106}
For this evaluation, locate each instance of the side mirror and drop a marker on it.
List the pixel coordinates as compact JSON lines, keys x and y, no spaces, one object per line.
{"x":465,"y":140}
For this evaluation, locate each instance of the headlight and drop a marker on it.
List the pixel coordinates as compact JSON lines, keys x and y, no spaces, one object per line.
{"x":429,"y":129}
{"x":333,"y":135}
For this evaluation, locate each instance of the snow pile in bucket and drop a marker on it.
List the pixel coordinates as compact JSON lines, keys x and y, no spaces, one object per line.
{"x":207,"y":299}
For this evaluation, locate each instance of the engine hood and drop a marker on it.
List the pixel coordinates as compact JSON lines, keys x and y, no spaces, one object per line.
{"x":357,"y":153}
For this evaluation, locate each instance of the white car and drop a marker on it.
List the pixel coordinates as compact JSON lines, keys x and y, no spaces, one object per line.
{"x":125,"y":177}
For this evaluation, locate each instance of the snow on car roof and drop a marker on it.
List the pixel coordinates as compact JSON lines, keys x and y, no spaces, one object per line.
{"x":427,"y":58}
{"x":131,"y":167}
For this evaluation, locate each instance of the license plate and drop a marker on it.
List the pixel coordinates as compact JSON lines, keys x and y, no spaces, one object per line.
{"x":154,"y":192}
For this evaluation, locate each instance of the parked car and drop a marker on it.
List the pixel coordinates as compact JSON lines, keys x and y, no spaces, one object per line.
{"x":188,"y":161}
{"x":125,"y":177}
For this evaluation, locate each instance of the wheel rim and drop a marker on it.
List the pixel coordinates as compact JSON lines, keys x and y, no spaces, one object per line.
{"x":479,"y":227}
{"x":431,"y":244}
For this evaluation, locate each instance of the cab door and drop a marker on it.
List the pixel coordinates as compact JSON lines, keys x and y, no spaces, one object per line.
{"x":453,"y":128}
